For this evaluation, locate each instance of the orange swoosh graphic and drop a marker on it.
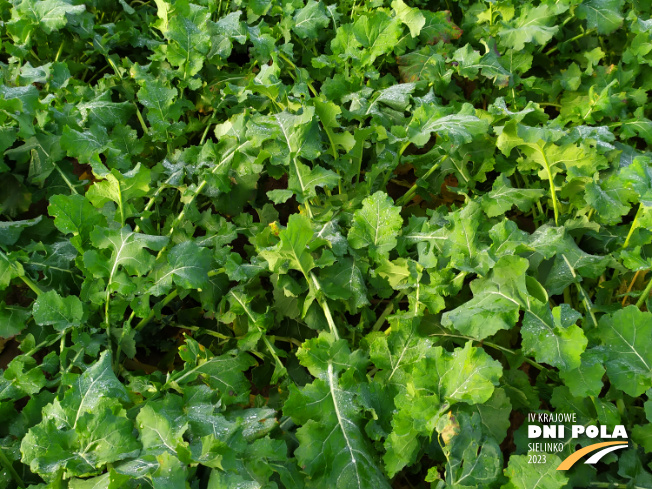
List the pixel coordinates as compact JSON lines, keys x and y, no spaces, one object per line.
{"x":571,"y":459}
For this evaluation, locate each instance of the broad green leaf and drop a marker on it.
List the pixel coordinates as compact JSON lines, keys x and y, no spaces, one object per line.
{"x":410,"y":16}
{"x":86,"y":145}
{"x":23,"y":377}
{"x":586,"y":380}
{"x":345,"y":281}
{"x":472,"y":459}
{"x":497,"y":300}
{"x":396,"y":353}
{"x":86,"y":429}
{"x":224,"y":32}
{"x":377,"y":33}
{"x":188,"y":266}
{"x":426,"y":64}
{"x":438,"y":27}
{"x":551,"y":337}
{"x":310,"y":19}
{"x":493,"y":414}
{"x":188,"y":40}
{"x":304,"y":180}
{"x":503,"y":196}
{"x":74,"y":214}
{"x":161,"y":105}
{"x":464,"y":243}
{"x":628,"y":353}
{"x":292,"y":252}
{"x":121,"y":189}
{"x":13,"y":319}
{"x":128,"y":252}
{"x":223,"y":373}
{"x":49,"y":15}
{"x":603,"y":15}
{"x":470,"y":63}
{"x":459,"y":128}
{"x":376,"y":226}
{"x":102,"y":111}
{"x":60,"y":312}
{"x":523,"y":475}
{"x":333,"y":448}
{"x":534,"y":25}
{"x":440,"y":379}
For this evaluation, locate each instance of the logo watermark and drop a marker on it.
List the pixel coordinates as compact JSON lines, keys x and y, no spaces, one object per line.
{"x":565,"y":427}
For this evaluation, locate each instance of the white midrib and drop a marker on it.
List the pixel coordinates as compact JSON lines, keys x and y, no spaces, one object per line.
{"x":331,"y":384}
{"x":400,"y":358}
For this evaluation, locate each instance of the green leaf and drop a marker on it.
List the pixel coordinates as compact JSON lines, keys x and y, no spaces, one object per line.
{"x":470,"y":63}
{"x":466,"y":375}
{"x":128,"y":252}
{"x":84,"y":431}
{"x":503,"y":196}
{"x":333,"y":449}
{"x":497,"y":300}
{"x":523,"y":475}
{"x":86,"y":145}
{"x":102,"y":111}
{"x":464,"y":242}
{"x":459,"y":128}
{"x":304,"y":180}
{"x":13,"y":320}
{"x":410,"y":16}
{"x":188,"y":266}
{"x":472,"y":460}
{"x":161,"y":105}
{"x":375,"y":226}
{"x":223,"y":373}
{"x":438,"y":27}
{"x":188,"y":39}
{"x":603,"y":15}
{"x":535,"y":25}
{"x":292,"y":252}
{"x":397,"y":352}
{"x":73,"y":214}
{"x":345,"y":281}
{"x":23,"y":377}
{"x":377,"y":33}
{"x":425,"y":64}
{"x":628,"y":353}
{"x":121,"y":189}
{"x":586,"y":380}
{"x":60,"y":312}
{"x":310,"y":19}
{"x":552,"y":340}
{"x":50,"y":15}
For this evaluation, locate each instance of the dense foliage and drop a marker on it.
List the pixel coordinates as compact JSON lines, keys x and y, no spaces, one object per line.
{"x":290,"y":244}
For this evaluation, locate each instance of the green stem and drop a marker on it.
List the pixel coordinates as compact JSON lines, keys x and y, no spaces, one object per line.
{"x":381,"y":319}
{"x":168,"y":298}
{"x":10,"y":468}
{"x":203,"y":136}
{"x":324,"y":305}
{"x":572,"y":39}
{"x":495,"y":346}
{"x":141,"y":120}
{"x":28,"y":281}
{"x":32,"y":285}
{"x":44,"y":344}
{"x":644,"y":295}
{"x":633,"y":227}
{"x":413,"y":190}
{"x":555,"y":205}
{"x":56,"y":58}
{"x":585,"y":297}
